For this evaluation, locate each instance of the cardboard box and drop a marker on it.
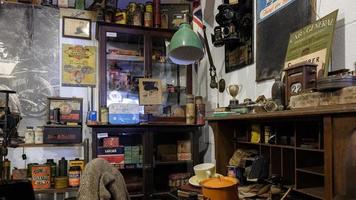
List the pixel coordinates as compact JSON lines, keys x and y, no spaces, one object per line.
{"x":184,"y":146}
{"x":114,"y":158}
{"x":111,"y":142}
{"x":108,"y":151}
{"x":184,"y":156}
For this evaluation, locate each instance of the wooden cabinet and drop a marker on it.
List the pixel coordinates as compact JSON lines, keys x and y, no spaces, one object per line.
{"x":313,"y":149}
{"x":126,"y":54}
{"x":150,"y":177}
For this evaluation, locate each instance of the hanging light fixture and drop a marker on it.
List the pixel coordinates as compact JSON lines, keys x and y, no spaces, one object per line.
{"x":185,"y":47}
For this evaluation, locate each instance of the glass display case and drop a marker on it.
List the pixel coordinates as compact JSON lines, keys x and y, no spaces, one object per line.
{"x":128,"y":54}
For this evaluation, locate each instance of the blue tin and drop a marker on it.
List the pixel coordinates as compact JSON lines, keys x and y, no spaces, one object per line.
{"x":92,"y":115}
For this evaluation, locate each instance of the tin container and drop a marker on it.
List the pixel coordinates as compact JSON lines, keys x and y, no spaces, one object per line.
{"x":29,"y":135}
{"x":164,"y":18}
{"x":92,"y":116}
{"x":41,"y":176}
{"x":62,"y":167}
{"x":6,"y":170}
{"x":157,"y":13}
{"x":200,"y":114}
{"x":104,"y":115}
{"x":137,"y":18}
{"x":77,"y":162}
{"x":61,"y":182}
{"x":39,"y":135}
{"x":74,"y":176}
{"x":120,"y":17}
{"x":29,"y":169}
{"x":149,"y":7}
{"x":236,"y":172}
{"x":190,"y":113}
{"x":53,"y":166}
{"x":148,"y":22}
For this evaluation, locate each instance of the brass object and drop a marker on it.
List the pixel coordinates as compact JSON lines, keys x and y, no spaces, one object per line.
{"x":233,"y":90}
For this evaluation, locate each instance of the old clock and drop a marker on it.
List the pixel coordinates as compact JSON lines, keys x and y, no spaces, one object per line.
{"x":300,"y":78}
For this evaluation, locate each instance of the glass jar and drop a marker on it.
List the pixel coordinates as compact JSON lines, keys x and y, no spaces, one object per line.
{"x":29,"y":135}
{"x":39,"y":135}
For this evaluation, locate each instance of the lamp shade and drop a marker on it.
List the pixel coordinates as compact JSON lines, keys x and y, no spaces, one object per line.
{"x":185,"y":47}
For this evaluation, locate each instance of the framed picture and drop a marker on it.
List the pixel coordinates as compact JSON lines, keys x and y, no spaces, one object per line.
{"x":150,"y":91}
{"x":70,"y":109}
{"x":77,"y":28}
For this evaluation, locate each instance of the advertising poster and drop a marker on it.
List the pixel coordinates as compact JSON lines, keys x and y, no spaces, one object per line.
{"x":313,"y":43}
{"x":78,"y":65}
{"x":266,"y":8}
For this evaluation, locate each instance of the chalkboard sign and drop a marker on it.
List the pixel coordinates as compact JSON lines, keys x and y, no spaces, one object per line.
{"x":273,"y":35}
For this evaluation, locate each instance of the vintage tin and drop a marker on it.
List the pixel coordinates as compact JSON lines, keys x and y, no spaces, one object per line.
{"x":61,"y":182}
{"x":200,"y":113}
{"x":157,"y":13}
{"x":39,"y":135}
{"x":236,"y":172}
{"x":74,"y":176}
{"x":41,"y":176}
{"x":137,"y":18}
{"x":77,"y":162}
{"x":164,"y":18}
{"x":62,"y":167}
{"x":190,"y":113}
{"x":149,"y":7}
{"x":104,"y":115}
{"x":132,"y":7}
{"x":29,"y":135}
{"x":120,"y":17}
{"x":148,"y":21}
{"x":92,"y":116}
{"x":29,"y":169}
{"x":6,"y":170}
{"x":53,"y":166}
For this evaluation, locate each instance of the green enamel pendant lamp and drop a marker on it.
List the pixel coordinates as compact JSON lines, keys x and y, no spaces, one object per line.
{"x":185,"y":47}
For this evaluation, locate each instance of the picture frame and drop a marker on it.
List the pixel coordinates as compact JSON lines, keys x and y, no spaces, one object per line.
{"x":71,"y":109}
{"x":150,"y":91}
{"x":79,"y":28}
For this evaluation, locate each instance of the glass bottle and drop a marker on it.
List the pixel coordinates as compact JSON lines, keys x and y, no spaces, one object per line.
{"x":278,"y":92}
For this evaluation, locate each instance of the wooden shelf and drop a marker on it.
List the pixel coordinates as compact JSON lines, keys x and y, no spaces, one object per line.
{"x":51,"y":145}
{"x":317,"y":170}
{"x":244,"y":142}
{"x":173,"y":162}
{"x":136,"y":195}
{"x":317,"y":192}
{"x":312,"y":111}
{"x":125,"y":58}
{"x":278,"y":145}
{"x":53,"y":190}
{"x":305,"y":149}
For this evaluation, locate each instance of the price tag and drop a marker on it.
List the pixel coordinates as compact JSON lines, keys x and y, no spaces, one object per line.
{"x":102,"y":135}
{"x":111,"y":34}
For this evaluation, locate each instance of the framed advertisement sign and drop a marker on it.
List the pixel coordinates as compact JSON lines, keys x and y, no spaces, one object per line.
{"x":70,"y":109}
{"x":313,"y":43}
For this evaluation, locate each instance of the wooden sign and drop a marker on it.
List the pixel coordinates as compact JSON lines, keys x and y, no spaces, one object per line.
{"x":313,"y":44}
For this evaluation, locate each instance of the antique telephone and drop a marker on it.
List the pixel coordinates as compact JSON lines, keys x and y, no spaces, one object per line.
{"x":212,"y":69}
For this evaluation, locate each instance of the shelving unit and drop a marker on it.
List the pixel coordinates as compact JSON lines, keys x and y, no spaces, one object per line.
{"x":311,"y":148}
{"x":154,"y":173}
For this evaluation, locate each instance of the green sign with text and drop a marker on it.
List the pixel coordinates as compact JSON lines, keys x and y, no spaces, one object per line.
{"x":313,"y":43}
